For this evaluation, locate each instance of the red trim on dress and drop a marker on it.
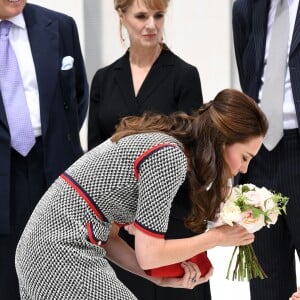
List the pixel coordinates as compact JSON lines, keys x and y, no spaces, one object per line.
{"x":90,"y":233}
{"x":92,"y":237}
{"x":148,"y":232}
{"x":144,"y":155}
{"x":120,"y":225}
{"x":83,"y":196}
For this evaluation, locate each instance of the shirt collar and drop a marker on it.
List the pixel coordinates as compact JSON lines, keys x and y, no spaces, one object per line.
{"x":18,"y":21}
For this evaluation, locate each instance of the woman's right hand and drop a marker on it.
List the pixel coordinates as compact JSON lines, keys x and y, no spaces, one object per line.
{"x":235,"y":235}
{"x":296,"y":295}
{"x":190,"y":279}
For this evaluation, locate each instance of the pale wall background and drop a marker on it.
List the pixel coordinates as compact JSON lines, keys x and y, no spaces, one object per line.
{"x":197,"y":31}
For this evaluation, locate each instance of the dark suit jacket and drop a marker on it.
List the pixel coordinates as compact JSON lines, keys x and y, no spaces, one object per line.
{"x":171,"y":85}
{"x":277,"y":168}
{"x":63,"y":98}
{"x":250,"y":19}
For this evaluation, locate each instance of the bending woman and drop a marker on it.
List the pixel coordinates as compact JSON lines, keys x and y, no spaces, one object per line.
{"x":133,"y":178}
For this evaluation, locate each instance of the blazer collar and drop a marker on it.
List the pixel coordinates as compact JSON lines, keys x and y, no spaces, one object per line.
{"x":157,"y":74}
{"x":123,"y":76}
{"x":296,"y":32}
{"x":260,"y":21}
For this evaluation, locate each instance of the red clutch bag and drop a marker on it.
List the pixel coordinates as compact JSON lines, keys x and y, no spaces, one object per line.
{"x":175,"y":270}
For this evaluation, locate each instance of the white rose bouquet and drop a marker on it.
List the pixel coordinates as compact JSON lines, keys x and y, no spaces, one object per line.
{"x":252,"y":208}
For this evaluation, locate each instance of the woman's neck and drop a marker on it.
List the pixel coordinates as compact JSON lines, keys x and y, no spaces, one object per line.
{"x":142,"y":57}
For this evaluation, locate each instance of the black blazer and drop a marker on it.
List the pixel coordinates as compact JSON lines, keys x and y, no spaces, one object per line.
{"x":171,"y":85}
{"x":63,"y":98}
{"x":250,"y":19}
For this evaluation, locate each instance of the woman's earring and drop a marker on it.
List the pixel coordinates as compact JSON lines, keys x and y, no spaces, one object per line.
{"x":209,"y":186}
{"x":121,"y":32}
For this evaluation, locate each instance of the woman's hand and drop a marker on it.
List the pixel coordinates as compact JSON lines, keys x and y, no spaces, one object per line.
{"x":190,"y":279}
{"x":130,"y":228}
{"x":296,"y":295}
{"x":235,"y":235}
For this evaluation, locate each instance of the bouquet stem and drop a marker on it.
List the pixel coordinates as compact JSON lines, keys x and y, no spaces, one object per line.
{"x":246,"y":266}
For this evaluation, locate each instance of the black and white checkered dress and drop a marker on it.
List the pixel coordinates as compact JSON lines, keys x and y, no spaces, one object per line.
{"x":61,"y":254}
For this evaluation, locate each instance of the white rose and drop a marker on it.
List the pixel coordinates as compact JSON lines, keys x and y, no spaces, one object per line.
{"x":231,"y":213}
{"x":273,"y":215}
{"x":250,"y":223}
{"x":254,"y":198}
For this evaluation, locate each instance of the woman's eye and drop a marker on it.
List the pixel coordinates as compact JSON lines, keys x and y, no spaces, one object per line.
{"x":141,"y":16}
{"x":159,"y":16}
{"x":245,"y":159}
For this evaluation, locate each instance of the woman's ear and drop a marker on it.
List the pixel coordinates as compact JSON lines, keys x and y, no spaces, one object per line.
{"x":223,"y":148}
{"x":121,"y":14}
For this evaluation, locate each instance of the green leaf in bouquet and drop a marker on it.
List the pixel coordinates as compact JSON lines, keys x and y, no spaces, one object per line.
{"x":245,"y":188}
{"x":257,"y":211}
{"x":281,"y":202}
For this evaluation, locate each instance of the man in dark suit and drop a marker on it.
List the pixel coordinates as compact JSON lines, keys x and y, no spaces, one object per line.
{"x":278,"y":168}
{"x":47,"y":49}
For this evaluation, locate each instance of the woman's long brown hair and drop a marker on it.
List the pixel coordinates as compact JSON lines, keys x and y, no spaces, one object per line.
{"x":232,"y":117}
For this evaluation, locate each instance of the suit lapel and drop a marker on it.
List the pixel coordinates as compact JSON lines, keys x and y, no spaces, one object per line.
{"x":3,"y":120}
{"x":260,"y":19}
{"x":44,"y":42}
{"x":296,"y":33}
{"x":157,"y":74}
{"x":123,"y":79}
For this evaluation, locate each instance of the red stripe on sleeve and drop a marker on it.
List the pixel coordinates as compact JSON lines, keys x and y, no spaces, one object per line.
{"x":144,"y":155}
{"x":83,"y":196}
{"x":148,"y":232}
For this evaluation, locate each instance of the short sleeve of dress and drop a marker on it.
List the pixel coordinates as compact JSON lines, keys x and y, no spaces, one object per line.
{"x":160,"y":172}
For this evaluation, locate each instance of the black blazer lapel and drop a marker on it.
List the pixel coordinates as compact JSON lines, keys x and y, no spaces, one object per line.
{"x":296,"y":33}
{"x":123,"y":77}
{"x":42,"y":30}
{"x":158,"y":73}
{"x":260,"y":21}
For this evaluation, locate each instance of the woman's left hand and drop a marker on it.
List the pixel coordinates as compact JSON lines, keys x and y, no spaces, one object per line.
{"x":296,"y":295}
{"x":130,"y":228}
{"x":191,"y":278}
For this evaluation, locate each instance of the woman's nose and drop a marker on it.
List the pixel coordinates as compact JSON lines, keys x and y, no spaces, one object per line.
{"x":150,"y":22}
{"x":243,"y":169}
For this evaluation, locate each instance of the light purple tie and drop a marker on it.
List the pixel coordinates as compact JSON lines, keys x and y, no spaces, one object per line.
{"x":13,"y":95}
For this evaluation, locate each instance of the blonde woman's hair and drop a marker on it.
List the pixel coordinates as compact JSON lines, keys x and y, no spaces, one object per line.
{"x":123,"y":5}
